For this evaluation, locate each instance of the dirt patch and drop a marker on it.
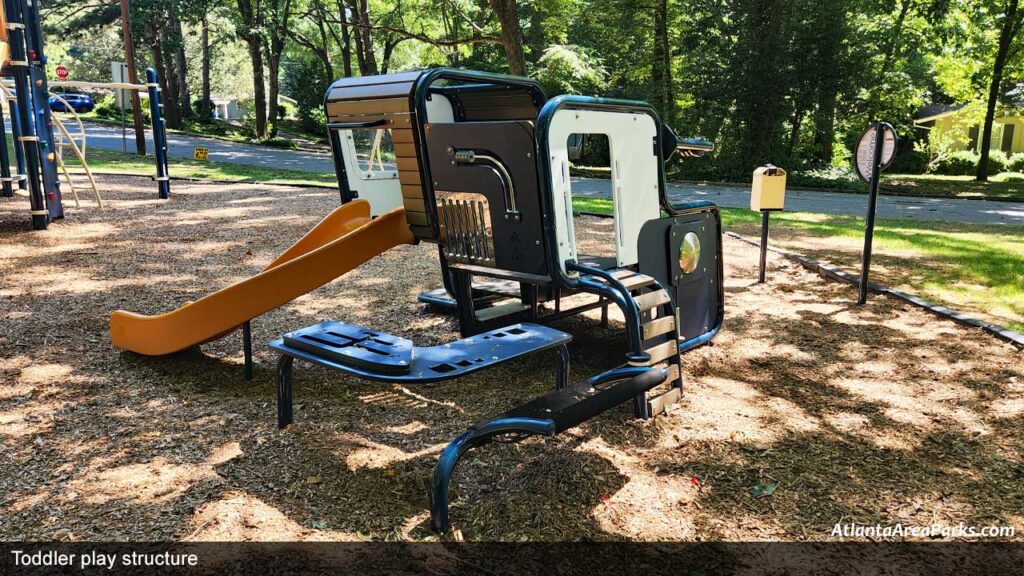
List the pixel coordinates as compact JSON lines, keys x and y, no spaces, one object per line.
{"x":874,"y":414}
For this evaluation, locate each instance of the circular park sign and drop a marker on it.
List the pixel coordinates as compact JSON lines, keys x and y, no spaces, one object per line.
{"x":866,"y":151}
{"x":62,"y":72}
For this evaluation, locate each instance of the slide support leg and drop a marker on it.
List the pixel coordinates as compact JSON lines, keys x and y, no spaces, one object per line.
{"x":247,"y":348}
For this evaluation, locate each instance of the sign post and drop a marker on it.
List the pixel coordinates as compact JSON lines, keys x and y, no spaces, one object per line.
{"x":875,"y":152}
{"x":119,"y":74}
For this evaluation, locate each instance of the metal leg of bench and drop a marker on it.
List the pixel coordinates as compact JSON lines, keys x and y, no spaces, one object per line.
{"x":562,"y":369}
{"x":472,"y":438}
{"x":284,"y":390}
{"x":247,"y":349}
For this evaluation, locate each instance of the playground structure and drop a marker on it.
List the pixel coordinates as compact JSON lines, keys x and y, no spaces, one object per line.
{"x":478,"y":164}
{"x":40,"y":136}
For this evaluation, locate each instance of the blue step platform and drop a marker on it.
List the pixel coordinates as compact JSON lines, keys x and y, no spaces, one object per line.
{"x":381,"y":357}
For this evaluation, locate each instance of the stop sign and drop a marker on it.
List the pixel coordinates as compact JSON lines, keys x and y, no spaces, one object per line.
{"x":62,"y":72}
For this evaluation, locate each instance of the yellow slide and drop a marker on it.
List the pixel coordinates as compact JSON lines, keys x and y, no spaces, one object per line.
{"x":343,"y":240}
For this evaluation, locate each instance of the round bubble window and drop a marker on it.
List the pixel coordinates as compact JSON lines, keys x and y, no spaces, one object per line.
{"x":689,"y":253}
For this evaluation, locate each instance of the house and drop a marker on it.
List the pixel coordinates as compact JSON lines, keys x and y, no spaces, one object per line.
{"x":952,"y":127}
{"x":226,"y":108}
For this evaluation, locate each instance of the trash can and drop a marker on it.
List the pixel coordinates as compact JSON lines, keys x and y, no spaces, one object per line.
{"x":768,"y":190}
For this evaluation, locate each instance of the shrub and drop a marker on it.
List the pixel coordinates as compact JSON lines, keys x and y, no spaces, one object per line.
{"x":1016,"y":163}
{"x":836,"y":177}
{"x":106,"y":107}
{"x":1010,"y":177}
{"x":997,"y":161}
{"x":959,"y":163}
{"x":277,"y":142}
{"x":910,"y":162}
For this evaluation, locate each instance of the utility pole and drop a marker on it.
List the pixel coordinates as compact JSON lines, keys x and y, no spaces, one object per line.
{"x":129,"y":58}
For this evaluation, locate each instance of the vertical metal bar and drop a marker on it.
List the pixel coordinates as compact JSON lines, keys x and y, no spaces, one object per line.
{"x":247,"y":348}
{"x":5,"y":160}
{"x":764,"y":246}
{"x":604,"y":315}
{"x":15,"y":134}
{"x":483,"y":231}
{"x":562,"y":367}
{"x":159,"y":134}
{"x":869,"y":231}
{"x":284,"y":391}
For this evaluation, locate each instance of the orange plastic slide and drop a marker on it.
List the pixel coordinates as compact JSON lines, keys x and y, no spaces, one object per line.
{"x":343,"y":240}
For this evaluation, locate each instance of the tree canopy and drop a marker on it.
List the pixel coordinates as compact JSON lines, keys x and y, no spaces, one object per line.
{"x":791,"y":82}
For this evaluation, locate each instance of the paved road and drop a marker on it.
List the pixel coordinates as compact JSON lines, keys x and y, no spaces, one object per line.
{"x":898,"y":207}
{"x":108,"y":137}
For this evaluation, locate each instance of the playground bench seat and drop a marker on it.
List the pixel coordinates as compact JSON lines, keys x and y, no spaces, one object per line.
{"x":381,"y":357}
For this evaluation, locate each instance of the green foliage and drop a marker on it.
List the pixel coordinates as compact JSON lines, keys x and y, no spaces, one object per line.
{"x":278,"y":142}
{"x":1016,"y":163}
{"x":965,"y":163}
{"x":959,"y":163}
{"x":106,"y":107}
{"x":1009,"y":177}
{"x":306,"y":82}
{"x":910,"y":162}
{"x":842,"y":178}
{"x":566,"y":69}
{"x":997,"y":161}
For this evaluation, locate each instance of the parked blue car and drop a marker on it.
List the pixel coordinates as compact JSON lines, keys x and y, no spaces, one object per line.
{"x":79,"y":102}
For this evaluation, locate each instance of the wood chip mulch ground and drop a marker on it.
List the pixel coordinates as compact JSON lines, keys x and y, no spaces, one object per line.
{"x":807,"y":411}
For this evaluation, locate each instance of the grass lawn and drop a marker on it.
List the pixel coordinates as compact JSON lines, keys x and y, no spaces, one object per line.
{"x":973,"y":268}
{"x":102,"y":161}
{"x":1004,"y":187}
{"x":934,"y":185}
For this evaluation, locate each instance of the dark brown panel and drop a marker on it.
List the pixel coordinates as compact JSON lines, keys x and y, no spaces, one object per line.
{"x":378,"y":106}
{"x":406,"y":163}
{"x":412,"y":191}
{"x":417,"y":218}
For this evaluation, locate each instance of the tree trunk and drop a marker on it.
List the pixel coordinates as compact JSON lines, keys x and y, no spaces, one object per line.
{"x":369,"y":57}
{"x":761,"y":82}
{"x":258,"y":85}
{"x":511,"y":35}
{"x":346,"y":49}
{"x":205,"y":102}
{"x":1011,"y":24}
{"x":249,"y":32}
{"x":181,"y":68}
{"x":168,"y":87}
{"x":824,"y":124}
{"x":661,"y":67}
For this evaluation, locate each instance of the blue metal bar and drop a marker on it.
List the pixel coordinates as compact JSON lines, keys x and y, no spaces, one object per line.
{"x":19,"y":148}
{"x":159,"y":134}
{"x":5,"y":161}
{"x":470,"y":439}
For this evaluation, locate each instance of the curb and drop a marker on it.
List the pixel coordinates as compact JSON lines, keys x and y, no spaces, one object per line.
{"x":828,"y":271}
